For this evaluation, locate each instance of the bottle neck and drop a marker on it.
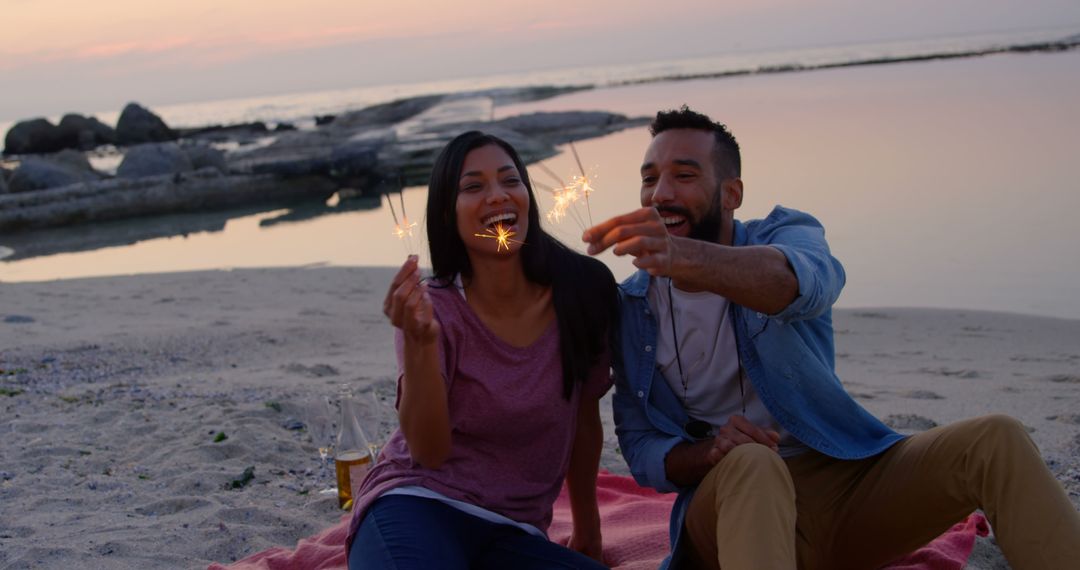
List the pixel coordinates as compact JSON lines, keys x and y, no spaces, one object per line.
{"x":351,"y":436}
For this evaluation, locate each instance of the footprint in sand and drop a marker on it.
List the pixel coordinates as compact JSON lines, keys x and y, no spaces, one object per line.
{"x":950,"y":372}
{"x":172,"y":506}
{"x":16,"y":532}
{"x":1063,"y":379}
{"x":909,"y":422}
{"x":18,"y":319}
{"x":316,"y":371}
{"x":872,"y":315}
{"x":923,"y":395}
{"x":1073,"y":419}
{"x":1058,"y":358}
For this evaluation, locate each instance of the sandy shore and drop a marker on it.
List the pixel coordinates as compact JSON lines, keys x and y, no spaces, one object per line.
{"x":115,"y":389}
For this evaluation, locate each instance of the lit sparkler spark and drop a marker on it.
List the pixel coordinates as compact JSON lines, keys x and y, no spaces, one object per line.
{"x":564,"y":199}
{"x":501,"y":235}
{"x":566,"y":195}
{"x":403,"y":229}
{"x":582,"y":181}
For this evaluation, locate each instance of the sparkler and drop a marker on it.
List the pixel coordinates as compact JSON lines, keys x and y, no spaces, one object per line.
{"x":402,"y":229}
{"x":566,"y":195}
{"x":501,"y":235}
{"x":582,"y":182}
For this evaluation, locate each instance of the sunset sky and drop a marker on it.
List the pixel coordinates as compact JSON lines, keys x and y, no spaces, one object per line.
{"x":65,"y":55}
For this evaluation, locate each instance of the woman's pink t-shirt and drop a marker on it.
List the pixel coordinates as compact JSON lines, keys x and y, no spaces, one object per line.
{"x":511,"y":429}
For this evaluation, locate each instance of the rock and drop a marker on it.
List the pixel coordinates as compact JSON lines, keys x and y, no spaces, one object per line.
{"x":119,"y":198}
{"x":139,"y":125}
{"x":224,"y":132}
{"x":203,"y":156}
{"x":33,"y":136}
{"x":566,"y":126}
{"x":282,"y":127}
{"x":154,"y":159}
{"x":354,"y":158}
{"x":321,"y":120}
{"x":77,"y":131}
{"x":39,"y":173}
{"x":387,"y":113}
{"x":74,"y":159}
{"x":3,"y":181}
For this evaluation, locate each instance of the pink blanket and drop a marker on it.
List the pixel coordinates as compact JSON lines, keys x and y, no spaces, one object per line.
{"x":635,"y":526}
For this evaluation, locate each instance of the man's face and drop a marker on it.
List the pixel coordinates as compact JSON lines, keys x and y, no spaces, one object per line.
{"x":678,"y":179}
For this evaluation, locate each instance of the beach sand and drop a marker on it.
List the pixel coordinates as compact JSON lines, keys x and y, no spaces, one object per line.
{"x":116,"y":388}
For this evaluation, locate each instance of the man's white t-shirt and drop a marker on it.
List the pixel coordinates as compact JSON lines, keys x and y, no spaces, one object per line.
{"x":712,"y":385}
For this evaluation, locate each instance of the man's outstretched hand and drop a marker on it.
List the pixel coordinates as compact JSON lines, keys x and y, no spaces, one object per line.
{"x":640,"y":233}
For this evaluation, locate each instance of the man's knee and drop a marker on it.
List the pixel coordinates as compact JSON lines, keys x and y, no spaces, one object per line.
{"x":753,"y":455}
{"x":1000,"y":430}
{"x":752,"y":464}
{"x":992,"y":439}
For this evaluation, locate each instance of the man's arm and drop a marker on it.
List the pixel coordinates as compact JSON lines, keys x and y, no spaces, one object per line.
{"x":642,"y":446}
{"x":793,"y":277}
{"x":757,"y":277}
{"x":668,"y":463}
{"x":688,"y":463}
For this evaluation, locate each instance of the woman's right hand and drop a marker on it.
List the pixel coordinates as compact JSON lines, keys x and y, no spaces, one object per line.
{"x":408,"y":304}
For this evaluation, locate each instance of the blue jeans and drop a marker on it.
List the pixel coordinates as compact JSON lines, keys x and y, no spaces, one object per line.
{"x":403,"y":532}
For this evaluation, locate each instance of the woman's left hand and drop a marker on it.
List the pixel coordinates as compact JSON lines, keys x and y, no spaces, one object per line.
{"x":587,"y":541}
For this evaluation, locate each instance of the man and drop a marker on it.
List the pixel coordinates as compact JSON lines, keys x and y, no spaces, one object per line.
{"x":726,"y":393}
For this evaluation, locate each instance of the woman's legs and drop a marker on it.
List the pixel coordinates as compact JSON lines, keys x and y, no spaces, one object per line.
{"x":402,"y":532}
{"x":515,"y":548}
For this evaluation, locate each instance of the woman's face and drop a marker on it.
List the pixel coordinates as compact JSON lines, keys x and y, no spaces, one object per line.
{"x":492,"y":201}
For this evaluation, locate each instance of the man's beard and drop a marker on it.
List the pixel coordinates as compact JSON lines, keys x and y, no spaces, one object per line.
{"x":708,"y":227}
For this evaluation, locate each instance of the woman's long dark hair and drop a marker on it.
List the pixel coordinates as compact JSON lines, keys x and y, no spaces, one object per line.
{"x":582,"y":288}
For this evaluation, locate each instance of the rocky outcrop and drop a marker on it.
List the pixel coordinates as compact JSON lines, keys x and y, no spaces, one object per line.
{"x":138,"y":125}
{"x":33,"y":136}
{"x":385,"y":114}
{"x":204,"y":156}
{"x":39,"y":136}
{"x":63,"y":169}
{"x":393,"y":143}
{"x":203,"y":190}
{"x":220,"y":133}
{"x":3,"y":181}
{"x":77,"y":131}
{"x":564,"y":127}
{"x":154,"y":159}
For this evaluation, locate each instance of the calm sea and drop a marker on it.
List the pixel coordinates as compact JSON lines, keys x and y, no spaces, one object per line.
{"x":946,"y":183}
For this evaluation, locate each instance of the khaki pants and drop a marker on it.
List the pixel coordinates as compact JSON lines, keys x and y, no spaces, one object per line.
{"x":757,"y":511}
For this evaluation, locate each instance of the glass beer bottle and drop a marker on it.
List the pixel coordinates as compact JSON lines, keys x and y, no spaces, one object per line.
{"x":353,"y":457}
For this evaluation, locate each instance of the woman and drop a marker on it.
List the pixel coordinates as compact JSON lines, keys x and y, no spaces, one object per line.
{"x":503,"y":358}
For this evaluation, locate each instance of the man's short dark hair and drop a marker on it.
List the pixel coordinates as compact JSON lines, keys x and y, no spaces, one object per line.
{"x":726,"y":158}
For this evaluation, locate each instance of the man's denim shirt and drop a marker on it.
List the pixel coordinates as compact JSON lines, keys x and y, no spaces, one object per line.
{"x":788,"y":357}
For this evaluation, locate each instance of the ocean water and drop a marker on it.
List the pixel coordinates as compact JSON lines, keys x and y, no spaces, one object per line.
{"x":946,"y":183}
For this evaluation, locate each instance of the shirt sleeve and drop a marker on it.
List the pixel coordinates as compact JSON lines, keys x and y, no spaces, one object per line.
{"x":644,"y":447}
{"x":801,"y":238}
